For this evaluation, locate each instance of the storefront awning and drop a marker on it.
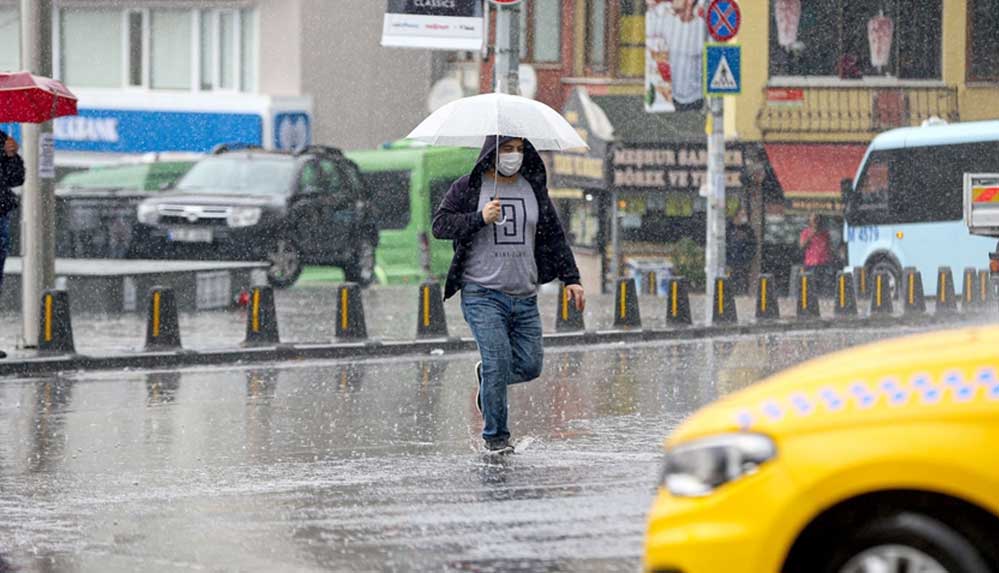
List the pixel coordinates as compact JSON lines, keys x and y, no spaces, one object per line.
{"x":811,"y":173}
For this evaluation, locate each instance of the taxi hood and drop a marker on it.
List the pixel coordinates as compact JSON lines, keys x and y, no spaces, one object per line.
{"x":941,"y":373}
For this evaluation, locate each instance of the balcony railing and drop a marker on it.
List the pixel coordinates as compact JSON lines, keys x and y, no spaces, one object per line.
{"x":853,"y":109}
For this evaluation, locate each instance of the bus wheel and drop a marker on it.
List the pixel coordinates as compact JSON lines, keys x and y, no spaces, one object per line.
{"x":883,"y":265}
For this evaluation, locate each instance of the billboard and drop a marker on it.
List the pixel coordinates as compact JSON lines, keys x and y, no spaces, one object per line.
{"x":675,"y":32}
{"x":433,"y":24}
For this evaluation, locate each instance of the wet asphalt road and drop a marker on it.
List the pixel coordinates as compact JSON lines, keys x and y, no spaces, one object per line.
{"x":365,"y":466}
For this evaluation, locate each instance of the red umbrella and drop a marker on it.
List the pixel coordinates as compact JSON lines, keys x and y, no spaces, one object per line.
{"x":26,"y":98}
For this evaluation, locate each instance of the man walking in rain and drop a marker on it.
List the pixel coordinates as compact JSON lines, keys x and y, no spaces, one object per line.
{"x":507,"y":240}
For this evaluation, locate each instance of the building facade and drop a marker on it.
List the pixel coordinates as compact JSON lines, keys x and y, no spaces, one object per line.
{"x":186,"y":75}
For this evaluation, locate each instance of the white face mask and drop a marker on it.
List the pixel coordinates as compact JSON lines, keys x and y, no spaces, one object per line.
{"x":509,"y":163}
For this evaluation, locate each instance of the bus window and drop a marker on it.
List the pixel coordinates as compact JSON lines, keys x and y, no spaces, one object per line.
{"x":389,"y":197}
{"x":918,"y":184}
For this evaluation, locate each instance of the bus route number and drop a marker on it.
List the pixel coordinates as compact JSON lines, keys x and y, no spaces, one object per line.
{"x":865,"y":234}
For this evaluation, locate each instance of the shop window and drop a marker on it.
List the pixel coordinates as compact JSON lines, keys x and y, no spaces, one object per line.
{"x":10,"y":38}
{"x":170,"y":49}
{"x":541,"y":31}
{"x":248,"y":49}
{"x":136,"y":49}
{"x":983,"y":40}
{"x":221,"y":43}
{"x":389,"y":192}
{"x":596,"y":35}
{"x":89,"y":59}
{"x":856,"y":38}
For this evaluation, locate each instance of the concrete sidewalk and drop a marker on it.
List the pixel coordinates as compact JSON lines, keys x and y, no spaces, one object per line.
{"x":306,"y":315}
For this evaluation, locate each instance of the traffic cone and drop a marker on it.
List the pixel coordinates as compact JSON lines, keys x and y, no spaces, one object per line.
{"x":767,"y":307}
{"x":808,"y":301}
{"x":567,"y":317}
{"x":627,"y":314}
{"x":846,"y":298}
{"x":946,"y":301}
{"x":431,"y":322}
{"x":163,"y":325}
{"x":261,"y":318}
{"x":723,"y":306}
{"x":55,"y":332}
{"x":350,"y":323}
{"x":678,"y":313}
{"x":915,"y":300}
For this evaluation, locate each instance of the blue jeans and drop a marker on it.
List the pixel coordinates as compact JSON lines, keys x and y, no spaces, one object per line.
{"x":4,"y":243}
{"x":507,"y":330}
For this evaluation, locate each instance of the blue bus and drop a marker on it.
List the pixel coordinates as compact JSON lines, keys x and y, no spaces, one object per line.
{"x":905,"y":206}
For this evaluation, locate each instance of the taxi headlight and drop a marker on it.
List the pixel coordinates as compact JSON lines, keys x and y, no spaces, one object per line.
{"x":243,"y":216}
{"x":148,"y":214}
{"x":698,"y":468}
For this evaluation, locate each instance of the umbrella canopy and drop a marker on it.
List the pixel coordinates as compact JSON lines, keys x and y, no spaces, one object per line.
{"x":26,"y":98}
{"x":468,"y":121}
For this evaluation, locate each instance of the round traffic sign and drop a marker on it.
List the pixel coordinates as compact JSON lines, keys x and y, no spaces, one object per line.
{"x":505,"y":2}
{"x":723,"y":18}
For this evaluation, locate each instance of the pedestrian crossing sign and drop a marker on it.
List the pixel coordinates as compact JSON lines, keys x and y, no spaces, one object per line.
{"x":722,"y":69}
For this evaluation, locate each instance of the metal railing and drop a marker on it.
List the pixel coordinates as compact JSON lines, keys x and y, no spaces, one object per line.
{"x":855,"y":109}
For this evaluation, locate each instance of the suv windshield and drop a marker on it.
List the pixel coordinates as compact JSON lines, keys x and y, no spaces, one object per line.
{"x":242,"y":174}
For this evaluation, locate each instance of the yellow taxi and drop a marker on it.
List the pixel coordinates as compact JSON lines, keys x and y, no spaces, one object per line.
{"x":876,"y":459}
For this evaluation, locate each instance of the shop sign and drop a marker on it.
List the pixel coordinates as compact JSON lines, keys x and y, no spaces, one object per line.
{"x":680,"y":167}
{"x":433,"y":24}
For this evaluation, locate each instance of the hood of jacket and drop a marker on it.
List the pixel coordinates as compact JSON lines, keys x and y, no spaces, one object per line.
{"x":533,"y":168}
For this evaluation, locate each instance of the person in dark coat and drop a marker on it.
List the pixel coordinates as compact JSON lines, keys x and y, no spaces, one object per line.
{"x":11,"y":175}
{"x":507,"y":241}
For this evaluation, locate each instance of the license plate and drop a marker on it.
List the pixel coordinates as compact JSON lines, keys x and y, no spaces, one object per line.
{"x":190,"y":235}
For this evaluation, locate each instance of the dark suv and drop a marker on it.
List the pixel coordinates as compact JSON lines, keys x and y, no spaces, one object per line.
{"x":289,"y":209}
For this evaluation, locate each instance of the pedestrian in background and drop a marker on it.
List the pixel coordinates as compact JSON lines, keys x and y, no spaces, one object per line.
{"x":507,"y":240}
{"x":740,"y":248}
{"x":816,"y":243}
{"x":11,"y":175}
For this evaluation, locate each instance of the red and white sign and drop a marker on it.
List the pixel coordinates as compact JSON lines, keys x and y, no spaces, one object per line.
{"x":785,"y":96}
{"x":505,"y":2}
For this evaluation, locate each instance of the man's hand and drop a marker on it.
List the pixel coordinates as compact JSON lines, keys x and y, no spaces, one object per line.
{"x":491,"y":212}
{"x":576,"y":295}
{"x":10,"y":147}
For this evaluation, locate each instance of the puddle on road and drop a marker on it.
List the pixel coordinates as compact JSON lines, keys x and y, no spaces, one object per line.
{"x":368,"y":466}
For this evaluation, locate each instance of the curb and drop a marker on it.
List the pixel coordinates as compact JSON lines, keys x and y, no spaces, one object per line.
{"x":374,"y":348}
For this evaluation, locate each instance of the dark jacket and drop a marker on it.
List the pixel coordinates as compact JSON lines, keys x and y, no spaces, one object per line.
{"x":11,"y":175}
{"x":458,"y":218}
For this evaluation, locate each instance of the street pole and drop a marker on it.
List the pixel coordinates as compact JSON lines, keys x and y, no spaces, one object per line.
{"x":506,"y":71}
{"x":37,"y":197}
{"x":714,"y":259}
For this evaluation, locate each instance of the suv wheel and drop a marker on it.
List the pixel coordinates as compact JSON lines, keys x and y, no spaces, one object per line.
{"x":286,"y":263}
{"x":905,"y":542}
{"x":361,"y":269}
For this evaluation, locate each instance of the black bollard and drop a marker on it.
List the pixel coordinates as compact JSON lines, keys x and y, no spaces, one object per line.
{"x":969,"y":292}
{"x":946,"y":300}
{"x":350,"y":323}
{"x":860,"y":275}
{"x":627,"y":313}
{"x":808,"y":300}
{"x":651,"y":284}
{"x":767,"y":307}
{"x":678,"y":313}
{"x":915,"y":300}
{"x":723,"y":306}
{"x":431,"y":322}
{"x":985,"y":295}
{"x":261,"y":318}
{"x":55,"y":326}
{"x":163,"y":326}
{"x":846,"y":298}
{"x":881,"y":295}
{"x":567,"y":318}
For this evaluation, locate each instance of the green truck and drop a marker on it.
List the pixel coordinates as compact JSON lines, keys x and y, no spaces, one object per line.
{"x":407,"y":181}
